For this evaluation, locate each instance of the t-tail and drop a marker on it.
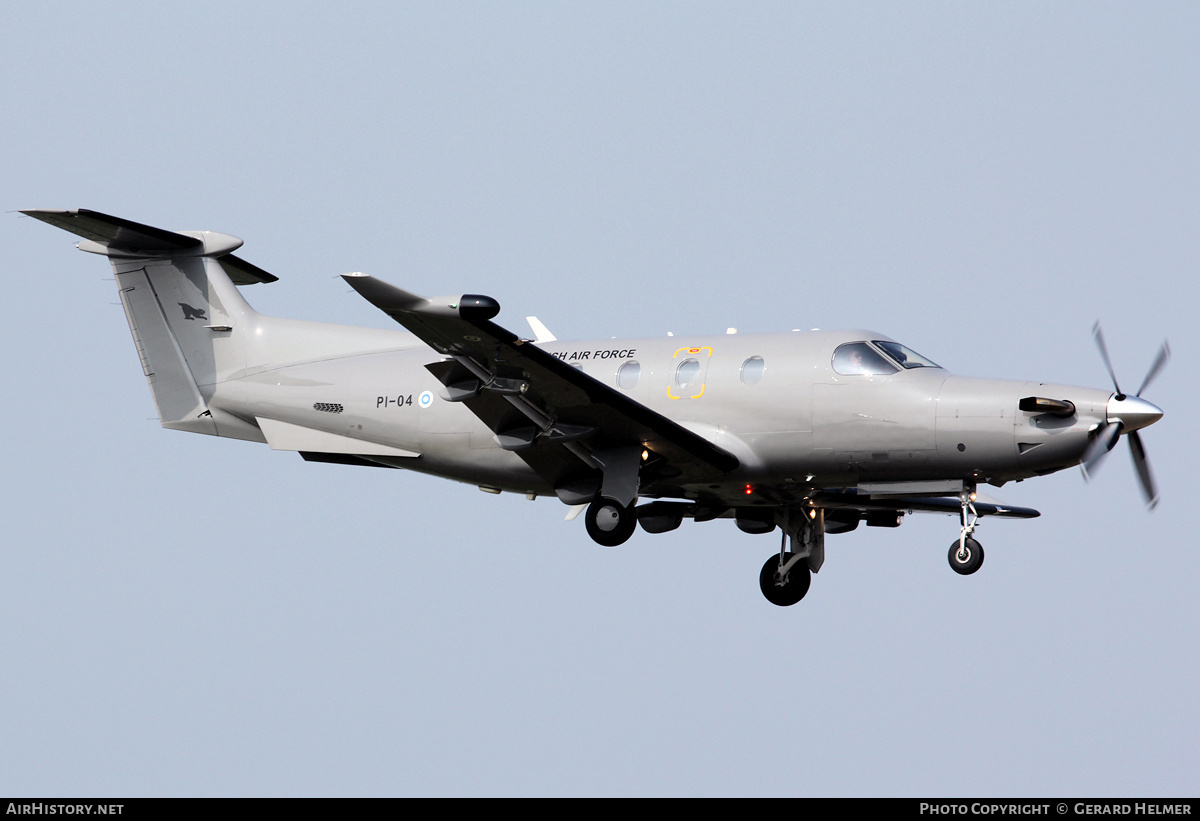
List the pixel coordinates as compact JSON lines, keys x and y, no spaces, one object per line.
{"x":204,"y":351}
{"x":192,"y":328}
{"x":178,"y":292}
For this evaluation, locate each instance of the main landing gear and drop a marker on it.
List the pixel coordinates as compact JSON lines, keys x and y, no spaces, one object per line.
{"x":611,"y":517}
{"x":785,"y":578}
{"x":610,"y":523}
{"x":966,"y":554}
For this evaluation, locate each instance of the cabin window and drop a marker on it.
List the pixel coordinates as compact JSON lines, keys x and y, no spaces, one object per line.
{"x":859,"y":358}
{"x":627,"y":376}
{"x":752,"y":370}
{"x":686,"y":372}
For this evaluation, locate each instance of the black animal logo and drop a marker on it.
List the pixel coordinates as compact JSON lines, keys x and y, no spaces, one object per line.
{"x":192,"y":313}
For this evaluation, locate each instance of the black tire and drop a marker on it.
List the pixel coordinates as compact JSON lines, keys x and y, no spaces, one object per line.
{"x":969,"y":563}
{"x":610,"y":523}
{"x":790,"y":589}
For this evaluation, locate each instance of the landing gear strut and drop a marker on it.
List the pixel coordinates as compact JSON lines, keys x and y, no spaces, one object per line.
{"x":966,"y":554}
{"x":609,"y":522}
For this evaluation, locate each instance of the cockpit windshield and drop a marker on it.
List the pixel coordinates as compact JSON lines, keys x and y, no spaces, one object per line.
{"x":906,"y":357}
{"x":860,"y":358}
{"x":869,"y":359}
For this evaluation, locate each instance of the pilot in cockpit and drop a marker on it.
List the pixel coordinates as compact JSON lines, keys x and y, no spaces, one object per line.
{"x":858,"y":358}
{"x":862,"y":359}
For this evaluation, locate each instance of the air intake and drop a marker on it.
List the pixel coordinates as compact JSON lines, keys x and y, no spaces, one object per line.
{"x":1054,"y":407}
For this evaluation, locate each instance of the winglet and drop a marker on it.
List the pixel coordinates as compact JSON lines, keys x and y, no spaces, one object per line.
{"x":540,"y":332}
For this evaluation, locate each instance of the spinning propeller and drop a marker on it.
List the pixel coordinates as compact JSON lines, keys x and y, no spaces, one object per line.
{"x":1126,"y":414}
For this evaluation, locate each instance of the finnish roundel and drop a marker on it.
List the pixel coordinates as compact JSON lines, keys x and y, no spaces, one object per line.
{"x":425,"y":399}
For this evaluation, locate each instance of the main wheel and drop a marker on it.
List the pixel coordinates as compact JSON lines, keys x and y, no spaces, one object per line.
{"x":609,"y":522}
{"x":791,"y":588}
{"x":967,"y":560}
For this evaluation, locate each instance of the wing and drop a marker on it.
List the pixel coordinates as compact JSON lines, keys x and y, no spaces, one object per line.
{"x":864,"y":503}
{"x":574,"y":431}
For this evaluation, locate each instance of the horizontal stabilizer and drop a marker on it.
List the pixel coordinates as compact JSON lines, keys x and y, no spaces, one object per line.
{"x":114,"y":232}
{"x":242,"y":272}
{"x":117,"y":237}
{"x":286,"y":436}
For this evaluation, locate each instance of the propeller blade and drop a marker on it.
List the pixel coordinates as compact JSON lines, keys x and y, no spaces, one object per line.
{"x":1164,"y":353}
{"x":1098,"y":335}
{"x":1143,"y":470}
{"x":1106,"y":437}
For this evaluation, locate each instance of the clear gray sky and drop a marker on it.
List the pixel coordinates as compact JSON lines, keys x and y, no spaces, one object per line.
{"x":181,"y":615}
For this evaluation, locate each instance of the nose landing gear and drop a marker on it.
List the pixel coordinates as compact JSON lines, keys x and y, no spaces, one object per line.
{"x":966,"y":554}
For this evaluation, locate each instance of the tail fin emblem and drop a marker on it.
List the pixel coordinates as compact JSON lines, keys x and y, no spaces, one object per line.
{"x":192,"y":313}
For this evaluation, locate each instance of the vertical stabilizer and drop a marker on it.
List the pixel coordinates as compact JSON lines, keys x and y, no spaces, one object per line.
{"x":176,"y":392}
{"x":184,"y":330}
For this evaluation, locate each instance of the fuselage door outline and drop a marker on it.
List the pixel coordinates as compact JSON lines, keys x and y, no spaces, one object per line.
{"x":688,"y":379}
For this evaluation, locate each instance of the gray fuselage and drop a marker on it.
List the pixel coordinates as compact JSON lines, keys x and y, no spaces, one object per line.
{"x":789,"y":417}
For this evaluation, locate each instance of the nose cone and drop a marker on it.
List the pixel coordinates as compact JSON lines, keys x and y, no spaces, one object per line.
{"x":1133,"y":412}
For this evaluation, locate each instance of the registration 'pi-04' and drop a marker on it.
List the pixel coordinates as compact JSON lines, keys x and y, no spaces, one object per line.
{"x":809,"y":433}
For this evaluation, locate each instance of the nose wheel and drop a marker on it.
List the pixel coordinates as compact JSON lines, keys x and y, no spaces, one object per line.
{"x":966,"y":556}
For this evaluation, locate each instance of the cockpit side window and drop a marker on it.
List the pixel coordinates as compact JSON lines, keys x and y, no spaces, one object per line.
{"x":859,"y":358}
{"x":907,"y":357}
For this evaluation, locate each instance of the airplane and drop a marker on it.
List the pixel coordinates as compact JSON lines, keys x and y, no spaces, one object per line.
{"x":810,"y":433}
